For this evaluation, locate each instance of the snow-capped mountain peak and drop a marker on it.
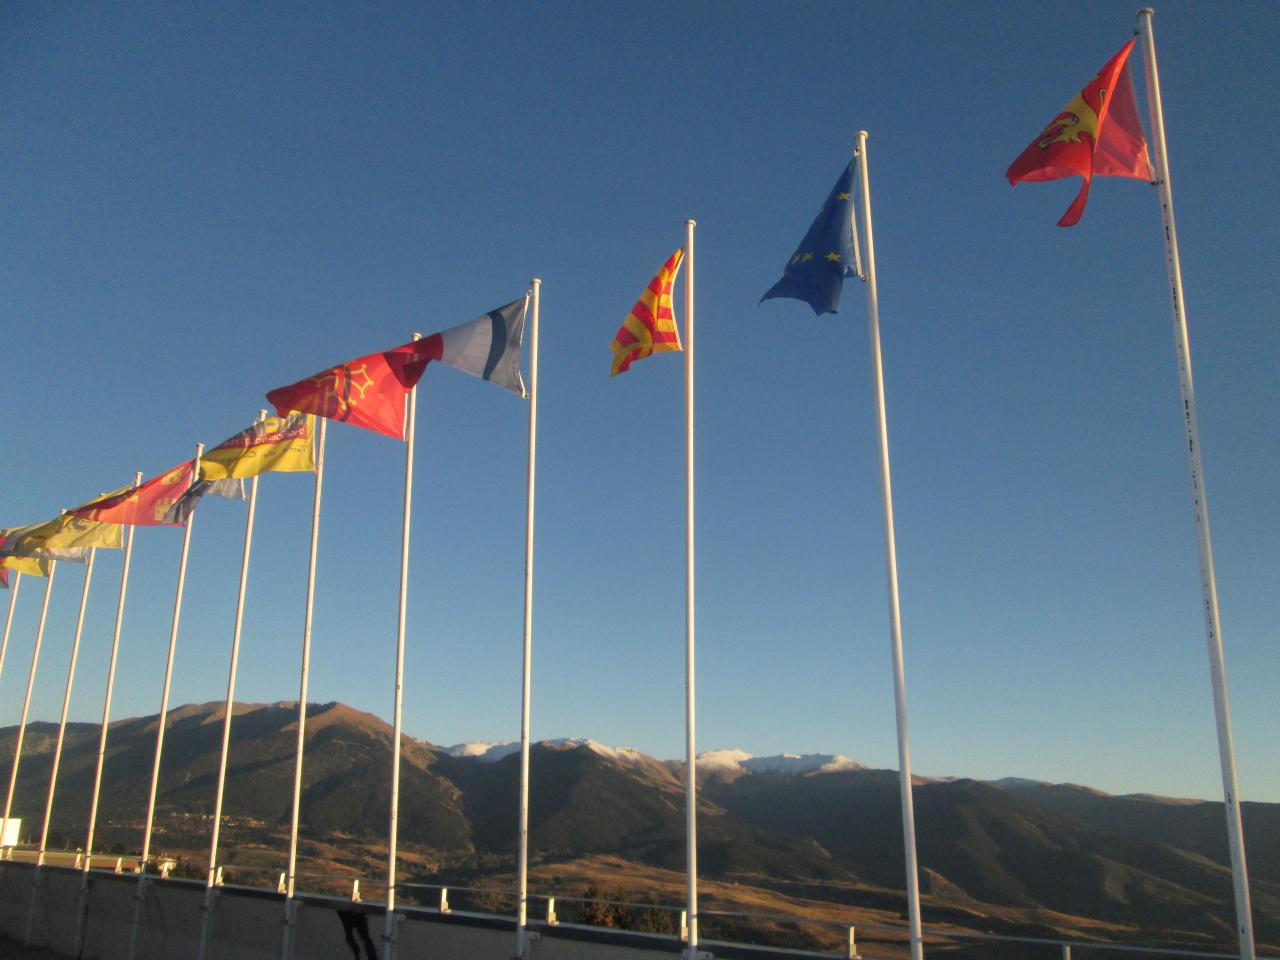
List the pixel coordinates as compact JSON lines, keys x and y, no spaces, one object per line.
{"x":713,"y":761}
{"x":483,"y":750}
{"x":487,"y":752}
{"x":735,"y":761}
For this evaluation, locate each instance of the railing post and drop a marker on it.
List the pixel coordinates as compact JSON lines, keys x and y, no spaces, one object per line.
{"x":851,"y":951}
{"x":1066,"y":951}
{"x":355,"y":890}
{"x":552,"y":919}
{"x":684,"y":926}
{"x":444,"y":900}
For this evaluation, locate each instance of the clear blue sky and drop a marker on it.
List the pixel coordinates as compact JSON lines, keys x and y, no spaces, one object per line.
{"x":204,"y":201}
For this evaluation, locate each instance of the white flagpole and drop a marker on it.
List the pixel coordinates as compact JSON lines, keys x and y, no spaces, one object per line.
{"x":8,"y":620}
{"x":140,"y":894}
{"x":522,"y":916}
{"x":26,"y":701}
{"x":690,"y":754}
{"x":57,"y":750}
{"x":211,"y":874}
{"x":1199,"y":499}
{"x":66,"y":704}
{"x":390,"y":930}
{"x":891,"y":561}
{"x":82,"y":913}
{"x":290,"y":909}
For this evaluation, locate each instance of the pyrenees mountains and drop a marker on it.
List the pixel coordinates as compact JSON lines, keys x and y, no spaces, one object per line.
{"x":1157,"y":868}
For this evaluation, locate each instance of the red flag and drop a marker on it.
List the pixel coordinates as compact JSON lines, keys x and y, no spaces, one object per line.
{"x":369,"y":391}
{"x":1097,"y":133}
{"x":144,"y":505}
{"x":366,"y":392}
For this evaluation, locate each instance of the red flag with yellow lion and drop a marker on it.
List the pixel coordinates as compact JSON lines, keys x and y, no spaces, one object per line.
{"x":1096,"y":134}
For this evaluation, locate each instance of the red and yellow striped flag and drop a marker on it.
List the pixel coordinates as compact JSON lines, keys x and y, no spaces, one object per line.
{"x":650,"y":327}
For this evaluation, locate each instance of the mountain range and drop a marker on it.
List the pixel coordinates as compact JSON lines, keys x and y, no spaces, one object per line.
{"x":1007,"y":856}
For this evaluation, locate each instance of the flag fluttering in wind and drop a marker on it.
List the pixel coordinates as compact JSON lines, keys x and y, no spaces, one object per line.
{"x":67,"y":537}
{"x":1097,"y":134}
{"x":369,"y":391}
{"x":147,"y":504}
{"x":650,"y":327}
{"x":31,"y":566}
{"x":276,"y":444}
{"x":228,"y":488}
{"x":816,"y":271}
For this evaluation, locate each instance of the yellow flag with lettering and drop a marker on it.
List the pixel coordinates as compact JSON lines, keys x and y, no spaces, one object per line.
{"x":67,"y":533}
{"x":31,"y":566}
{"x":276,"y":444}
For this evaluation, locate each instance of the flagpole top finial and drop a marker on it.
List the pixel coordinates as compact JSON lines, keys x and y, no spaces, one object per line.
{"x":691,"y":222}
{"x":1147,"y":12}
{"x":417,"y":335}
{"x":860,"y":134}
{"x":535,"y":282}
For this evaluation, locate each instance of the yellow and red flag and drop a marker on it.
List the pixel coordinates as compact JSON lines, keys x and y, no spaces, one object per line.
{"x":650,"y":327}
{"x":145,"y":505}
{"x":1097,"y":134}
{"x":279,"y":444}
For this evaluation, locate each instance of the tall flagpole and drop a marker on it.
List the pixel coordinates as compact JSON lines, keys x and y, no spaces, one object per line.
{"x":522,"y":916}
{"x":26,"y":701}
{"x":141,"y":893}
{"x":8,"y":620}
{"x":62,"y":733}
{"x":83,"y":912}
{"x":690,"y":755}
{"x":66,"y":704}
{"x":891,"y":562}
{"x":1199,"y":499}
{"x":211,"y":874}
{"x":390,"y":930}
{"x":290,"y":908}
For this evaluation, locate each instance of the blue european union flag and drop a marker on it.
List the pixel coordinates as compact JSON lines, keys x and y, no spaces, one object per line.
{"x":824,"y":258}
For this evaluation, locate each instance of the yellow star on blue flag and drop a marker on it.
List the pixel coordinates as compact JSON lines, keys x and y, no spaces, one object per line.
{"x":816,"y":272}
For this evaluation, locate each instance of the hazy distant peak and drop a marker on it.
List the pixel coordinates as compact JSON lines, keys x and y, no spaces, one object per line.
{"x":1013,"y":783}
